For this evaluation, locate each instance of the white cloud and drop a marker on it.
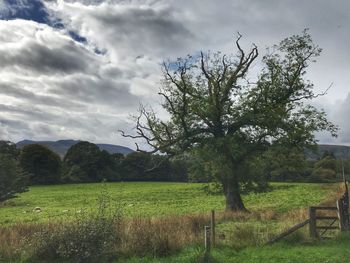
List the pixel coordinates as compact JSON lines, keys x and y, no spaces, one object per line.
{"x":48,"y":81}
{"x":53,"y":87}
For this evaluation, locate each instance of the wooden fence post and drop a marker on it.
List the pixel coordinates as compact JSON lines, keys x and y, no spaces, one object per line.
{"x":207,"y":238}
{"x":212,"y":228}
{"x":341,"y":215}
{"x":312,"y":223}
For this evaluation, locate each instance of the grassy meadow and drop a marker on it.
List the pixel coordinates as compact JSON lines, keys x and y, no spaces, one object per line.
{"x":150,"y":199}
{"x":163,"y":222}
{"x":332,"y":251}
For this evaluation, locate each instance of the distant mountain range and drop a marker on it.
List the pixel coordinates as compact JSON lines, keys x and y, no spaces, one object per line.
{"x":339,"y":151}
{"x":61,"y":147}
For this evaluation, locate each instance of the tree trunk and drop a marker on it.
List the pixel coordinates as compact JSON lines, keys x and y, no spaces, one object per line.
{"x":233,"y":197}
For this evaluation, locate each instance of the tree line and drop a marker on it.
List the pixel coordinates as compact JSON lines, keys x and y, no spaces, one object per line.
{"x":85,"y":162}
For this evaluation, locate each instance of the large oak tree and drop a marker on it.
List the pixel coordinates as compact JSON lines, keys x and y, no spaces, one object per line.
{"x":227,"y":120}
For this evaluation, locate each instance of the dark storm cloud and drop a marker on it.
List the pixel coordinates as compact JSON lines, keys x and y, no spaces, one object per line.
{"x":142,"y":30}
{"x":115,"y":72}
{"x":40,"y":58}
{"x":18,"y":92}
{"x":29,"y":113}
{"x":160,"y":24}
{"x":13,"y":123}
{"x":37,"y":122}
{"x":95,"y":90}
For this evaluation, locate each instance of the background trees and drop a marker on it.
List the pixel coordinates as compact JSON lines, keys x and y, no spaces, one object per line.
{"x":84,"y":156}
{"x":13,"y":179}
{"x":230,"y":122}
{"x":325,"y":169}
{"x":85,"y":162}
{"x":286,"y":164}
{"x":10,"y":149}
{"x":42,"y":164}
{"x":276,"y":164}
{"x":139,"y":166}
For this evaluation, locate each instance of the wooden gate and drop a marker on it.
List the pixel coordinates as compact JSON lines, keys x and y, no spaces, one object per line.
{"x":320,"y":224}
{"x":322,"y":219}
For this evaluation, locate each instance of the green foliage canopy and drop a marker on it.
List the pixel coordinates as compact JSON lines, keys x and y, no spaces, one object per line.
{"x":43,"y":165}
{"x":85,"y":162}
{"x":10,"y":149}
{"x":12,"y":178}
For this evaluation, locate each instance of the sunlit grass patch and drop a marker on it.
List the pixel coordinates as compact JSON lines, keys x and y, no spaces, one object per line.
{"x":150,"y":199}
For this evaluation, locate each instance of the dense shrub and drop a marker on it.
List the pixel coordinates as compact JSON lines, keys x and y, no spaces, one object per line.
{"x":90,"y":237}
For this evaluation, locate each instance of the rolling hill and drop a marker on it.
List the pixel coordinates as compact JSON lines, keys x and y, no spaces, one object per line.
{"x":62,"y":146}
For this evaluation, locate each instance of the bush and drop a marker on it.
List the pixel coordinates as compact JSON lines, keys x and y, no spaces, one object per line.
{"x":88,"y":238}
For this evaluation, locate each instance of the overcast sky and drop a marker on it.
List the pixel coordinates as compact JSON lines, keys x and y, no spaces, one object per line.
{"x":78,"y":69}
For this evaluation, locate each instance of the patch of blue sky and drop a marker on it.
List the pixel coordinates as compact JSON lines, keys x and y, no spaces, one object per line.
{"x":191,"y":59}
{"x":77,"y":37}
{"x":34,"y":10}
{"x":24,"y":9}
{"x":100,"y":51}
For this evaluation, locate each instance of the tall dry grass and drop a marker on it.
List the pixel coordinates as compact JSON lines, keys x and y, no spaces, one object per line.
{"x":149,"y":236}
{"x":138,"y":236}
{"x":13,"y":240}
{"x":161,"y":236}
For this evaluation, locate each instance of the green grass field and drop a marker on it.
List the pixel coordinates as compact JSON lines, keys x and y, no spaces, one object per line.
{"x":333,"y":251}
{"x":149,"y":199}
{"x":164,"y":199}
